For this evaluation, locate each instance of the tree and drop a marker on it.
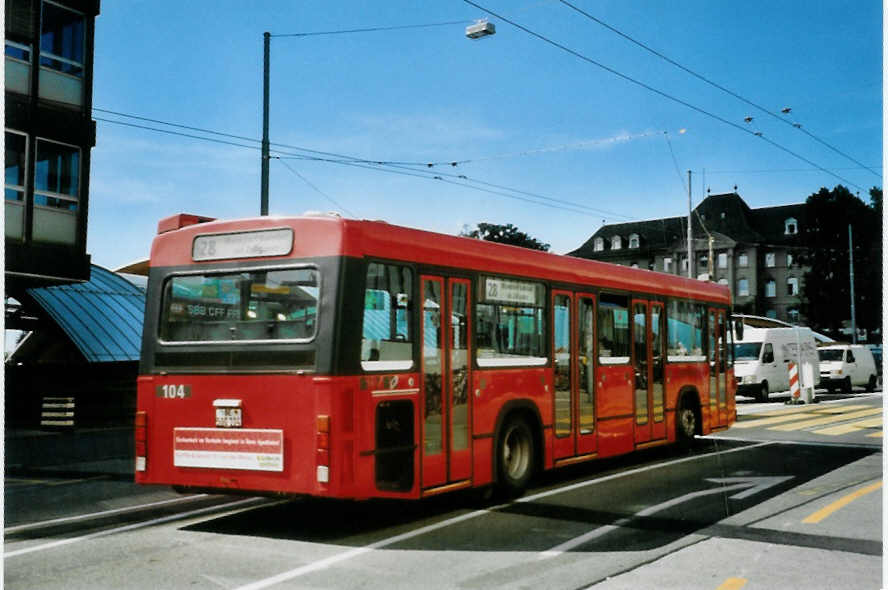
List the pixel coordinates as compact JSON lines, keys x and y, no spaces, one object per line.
{"x":827,"y":292}
{"x":504,"y":234}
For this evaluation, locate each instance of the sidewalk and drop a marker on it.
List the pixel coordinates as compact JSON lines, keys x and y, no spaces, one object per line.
{"x":79,"y":452}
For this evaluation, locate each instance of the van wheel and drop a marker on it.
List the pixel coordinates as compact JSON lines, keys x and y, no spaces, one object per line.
{"x":515,"y":457}
{"x":846,"y":385}
{"x":871,"y":384}
{"x":763,"y":392}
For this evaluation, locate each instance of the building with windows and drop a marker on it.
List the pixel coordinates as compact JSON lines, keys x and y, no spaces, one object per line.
{"x":49,"y":133}
{"x":754,"y":251}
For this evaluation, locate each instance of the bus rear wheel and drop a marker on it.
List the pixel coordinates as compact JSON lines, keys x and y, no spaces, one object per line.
{"x":515,"y":457}
{"x":685,"y":421}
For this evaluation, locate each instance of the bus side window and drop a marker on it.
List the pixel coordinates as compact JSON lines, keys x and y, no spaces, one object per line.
{"x":386,"y":338}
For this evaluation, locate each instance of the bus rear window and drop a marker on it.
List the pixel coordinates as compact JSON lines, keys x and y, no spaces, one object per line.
{"x":245,"y":305}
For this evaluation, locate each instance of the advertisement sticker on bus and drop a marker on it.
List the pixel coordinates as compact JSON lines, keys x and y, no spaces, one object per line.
{"x":249,"y":449}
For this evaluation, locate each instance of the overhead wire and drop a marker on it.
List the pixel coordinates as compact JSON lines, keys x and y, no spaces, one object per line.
{"x":662,"y":93}
{"x":358,"y":162}
{"x":373,"y":29}
{"x":716,"y":85}
{"x":316,"y":189}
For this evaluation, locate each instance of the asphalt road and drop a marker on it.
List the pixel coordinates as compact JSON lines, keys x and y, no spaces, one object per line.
{"x":790,"y":497}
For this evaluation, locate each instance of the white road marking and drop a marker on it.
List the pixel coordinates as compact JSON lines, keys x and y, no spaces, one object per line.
{"x":334,"y":559}
{"x":749,"y":485}
{"x":130,"y":527}
{"x":136,"y":508}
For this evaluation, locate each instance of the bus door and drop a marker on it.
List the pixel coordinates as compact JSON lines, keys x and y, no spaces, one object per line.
{"x":446,"y":440}
{"x":722,"y":368}
{"x":648,"y":367}
{"x":573,"y":344}
{"x":718,"y":384}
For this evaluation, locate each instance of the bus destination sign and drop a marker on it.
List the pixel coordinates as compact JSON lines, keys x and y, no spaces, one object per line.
{"x":249,"y":244}
{"x":510,"y":291}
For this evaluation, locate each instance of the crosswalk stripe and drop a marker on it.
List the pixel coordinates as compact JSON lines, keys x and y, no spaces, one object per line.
{"x":831,"y":409}
{"x":826,"y":420}
{"x":767,"y":421}
{"x":851,"y":427}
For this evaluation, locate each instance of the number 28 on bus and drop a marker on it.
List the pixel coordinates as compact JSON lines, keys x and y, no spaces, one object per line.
{"x":317,"y":355}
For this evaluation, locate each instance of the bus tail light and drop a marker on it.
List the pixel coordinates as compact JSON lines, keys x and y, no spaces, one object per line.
{"x":323,"y":448}
{"x":141,"y":438}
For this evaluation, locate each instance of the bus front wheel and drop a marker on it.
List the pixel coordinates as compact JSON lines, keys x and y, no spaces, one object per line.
{"x":515,"y":457}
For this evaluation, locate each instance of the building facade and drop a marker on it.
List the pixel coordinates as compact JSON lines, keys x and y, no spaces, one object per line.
{"x":49,"y":133}
{"x":754,"y":251}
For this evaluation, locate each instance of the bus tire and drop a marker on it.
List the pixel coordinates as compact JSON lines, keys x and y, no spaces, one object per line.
{"x":515,"y":460}
{"x":762,"y":394}
{"x":687,"y":420}
{"x":871,"y":384}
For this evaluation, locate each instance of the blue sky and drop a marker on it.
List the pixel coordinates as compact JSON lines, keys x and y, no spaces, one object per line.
{"x":520,"y":112}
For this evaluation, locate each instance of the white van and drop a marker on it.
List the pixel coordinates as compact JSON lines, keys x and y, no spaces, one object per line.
{"x":847,"y":365}
{"x":762,"y":357}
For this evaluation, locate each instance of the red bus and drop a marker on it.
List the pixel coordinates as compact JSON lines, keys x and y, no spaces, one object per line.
{"x":355,"y":359}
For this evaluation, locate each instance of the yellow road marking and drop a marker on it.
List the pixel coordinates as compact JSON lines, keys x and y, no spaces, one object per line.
{"x":841,"y":502}
{"x":852,"y":427}
{"x":875,"y":435}
{"x":733,"y":584}
{"x":826,"y":420}
{"x":832,"y":409}
{"x":767,"y":421}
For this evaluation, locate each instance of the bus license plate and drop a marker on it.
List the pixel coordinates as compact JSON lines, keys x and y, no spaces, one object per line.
{"x":228,"y":418}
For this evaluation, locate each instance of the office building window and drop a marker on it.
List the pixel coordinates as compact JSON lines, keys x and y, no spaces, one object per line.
{"x":792,"y":315}
{"x":18,"y":67}
{"x":743,"y":287}
{"x":789,"y":260}
{"x":616,"y":243}
{"x":62,"y":39}
{"x":633,"y":241}
{"x":16,"y":158}
{"x":792,"y":286}
{"x":598,"y":244}
{"x":723,"y":260}
{"x":791,"y":226}
{"x":667,"y":264}
{"x":742,"y":260}
{"x":771,"y":288}
{"x":771,"y":313}
{"x":770,"y":260}
{"x":56,"y":192}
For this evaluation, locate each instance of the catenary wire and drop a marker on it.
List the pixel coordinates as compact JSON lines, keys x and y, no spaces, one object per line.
{"x":316,"y":189}
{"x":650,"y":88}
{"x":716,"y":85}
{"x":369,"y":164}
{"x":372,"y":29}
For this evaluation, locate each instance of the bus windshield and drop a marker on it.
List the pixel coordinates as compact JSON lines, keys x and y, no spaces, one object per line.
{"x":267,"y":304}
{"x":747,"y":351}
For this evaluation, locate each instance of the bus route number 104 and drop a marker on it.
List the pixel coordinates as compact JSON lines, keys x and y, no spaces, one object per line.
{"x":173,"y":391}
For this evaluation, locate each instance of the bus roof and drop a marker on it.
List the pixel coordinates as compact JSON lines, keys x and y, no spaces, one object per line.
{"x":331,"y":235}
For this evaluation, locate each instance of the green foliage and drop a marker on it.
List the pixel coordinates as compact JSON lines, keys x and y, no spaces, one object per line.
{"x":504,"y":234}
{"x":827,"y":292}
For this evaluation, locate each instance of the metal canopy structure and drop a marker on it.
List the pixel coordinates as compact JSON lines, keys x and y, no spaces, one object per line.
{"x":103,"y":317}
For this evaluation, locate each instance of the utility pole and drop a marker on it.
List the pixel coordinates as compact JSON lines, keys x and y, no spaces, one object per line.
{"x":263,"y":195}
{"x":851,"y":262}
{"x":690,"y":235}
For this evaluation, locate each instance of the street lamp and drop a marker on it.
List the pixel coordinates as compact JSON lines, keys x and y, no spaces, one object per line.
{"x":480,"y":28}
